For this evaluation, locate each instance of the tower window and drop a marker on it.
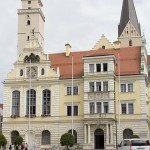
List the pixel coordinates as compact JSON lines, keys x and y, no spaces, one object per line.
{"x":21,"y":72}
{"x":28,"y":38}
{"x":29,"y":2}
{"x":28,"y":22}
{"x":130,"y":42}
{"x":42,"y":71}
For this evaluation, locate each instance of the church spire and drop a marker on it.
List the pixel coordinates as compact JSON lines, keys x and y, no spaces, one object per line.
{"x":128,"y":14}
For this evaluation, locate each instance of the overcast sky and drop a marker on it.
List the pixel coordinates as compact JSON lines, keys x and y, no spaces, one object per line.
{"x":79,"y":22}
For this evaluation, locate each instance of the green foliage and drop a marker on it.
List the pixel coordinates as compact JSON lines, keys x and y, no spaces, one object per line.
{"x":3,"y":140}
{"x":18,"y":140}
{"x":67,"y":139}
{"x":134,"y":136}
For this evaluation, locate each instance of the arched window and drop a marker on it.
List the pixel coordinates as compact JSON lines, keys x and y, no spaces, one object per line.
{"x":42,"y":71}
{"x":14,"y":134}
{"x":21,"y":72}
{"x":31,"y":97}
{"x":28,"y":22}
{"x":46,"y":102}
{"x":103,"y":47}
{"x":75,"y":134}
{"x":45,"y":137}
{"x":127,"y":134}
{"x":130,"y":42}
{"x":15,"y":103}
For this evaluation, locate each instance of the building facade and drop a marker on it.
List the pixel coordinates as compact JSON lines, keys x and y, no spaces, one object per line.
{"x":99,"y":95}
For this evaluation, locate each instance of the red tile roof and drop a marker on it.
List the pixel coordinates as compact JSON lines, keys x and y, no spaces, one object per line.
{"x":130,"y":59}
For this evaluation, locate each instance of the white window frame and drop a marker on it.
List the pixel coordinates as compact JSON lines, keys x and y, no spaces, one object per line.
{"x":127,"y":108}
{"x":69,"y":86}
{"x":127,"y":88}
{"x":95,"y":86}
{"x":95,"y":67}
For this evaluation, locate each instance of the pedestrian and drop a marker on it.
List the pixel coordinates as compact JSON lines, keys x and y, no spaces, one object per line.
{"x":17,"y":147}
{"x":26,"y":146}
{"x":12,"y":147}
{"x":4,"y":147}
{"x":22,"y":146}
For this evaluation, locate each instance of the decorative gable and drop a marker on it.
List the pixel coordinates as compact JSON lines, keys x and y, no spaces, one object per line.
{"x":103,"y":43}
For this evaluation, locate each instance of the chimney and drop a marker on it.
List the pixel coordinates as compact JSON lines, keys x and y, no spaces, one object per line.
{"x":68,"y":48}
{"x":117,"y":45}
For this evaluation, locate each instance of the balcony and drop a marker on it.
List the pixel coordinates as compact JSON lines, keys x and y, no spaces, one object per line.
{"x":110,"y":72}
{"x":33,"y":10}
{"x":99,"y":115}
{"x":100,"y":95}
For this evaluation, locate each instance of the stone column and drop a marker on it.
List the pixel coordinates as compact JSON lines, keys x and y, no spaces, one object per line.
{"x":85,"y":134}
{"x":89,"y":135}
{"x":107,"y":135}
{"x":111,"y":134}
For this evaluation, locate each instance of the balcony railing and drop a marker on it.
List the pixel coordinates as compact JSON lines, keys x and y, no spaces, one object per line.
{"x":99,"y":95}
{"x":99,"y":73}
{"x":99,"y":115}
{"x":33,"y":10}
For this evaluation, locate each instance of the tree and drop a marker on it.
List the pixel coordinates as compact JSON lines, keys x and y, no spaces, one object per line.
{"x":67,"y":139}
{"x":3,"y":140}
{"x":18,"y":140}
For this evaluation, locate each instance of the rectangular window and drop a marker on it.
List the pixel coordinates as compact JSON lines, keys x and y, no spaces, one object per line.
{"x":91,"y":84}
{"x":92,"y":108}
{"x":105,"y":86}
{"x":69,"y":110}
{"x":75,"y":90}
{"x":130,"y":87}
{"x":98,"y":107}
{"x":130,"y":108}
{"x":91,"y":67}
{"x":105,"y":107}
{"x":105,"y":67}
{"x":123,"y":87}
{"x":75,"y":110}
{"x":98,"y":67}
{"x":98,"y":86}
{"x":68,"y":90}
{"x":123,"y":108}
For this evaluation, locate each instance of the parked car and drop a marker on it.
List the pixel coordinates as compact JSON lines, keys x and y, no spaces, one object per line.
{"x":134,"y":144}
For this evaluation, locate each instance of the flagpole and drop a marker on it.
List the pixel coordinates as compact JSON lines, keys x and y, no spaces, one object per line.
{"x":29,"y":107}
{"x":119,"y":95}
{"x":72,"y":96}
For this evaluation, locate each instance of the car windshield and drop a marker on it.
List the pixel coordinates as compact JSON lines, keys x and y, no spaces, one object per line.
{"x":140,"y":142}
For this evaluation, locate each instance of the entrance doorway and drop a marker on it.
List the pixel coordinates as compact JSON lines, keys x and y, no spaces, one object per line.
{"x":99,"y":139}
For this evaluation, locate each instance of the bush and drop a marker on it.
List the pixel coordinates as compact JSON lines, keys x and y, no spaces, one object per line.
{"x":18,"y":140}
{"x":67,"y":139}
{"x":134,"y":136}
{"x":3,"y":140}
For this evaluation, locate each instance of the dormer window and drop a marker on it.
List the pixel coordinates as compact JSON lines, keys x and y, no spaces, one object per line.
{"x":29,"y":2}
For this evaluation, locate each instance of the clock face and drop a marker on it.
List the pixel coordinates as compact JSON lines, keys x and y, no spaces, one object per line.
{"x":32,"y":72}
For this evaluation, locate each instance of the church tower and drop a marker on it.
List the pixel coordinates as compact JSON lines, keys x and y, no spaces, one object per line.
{"x":129,"y":32}
{"x":30,"y":19}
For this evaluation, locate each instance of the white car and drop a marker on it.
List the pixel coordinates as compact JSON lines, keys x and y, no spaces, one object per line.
{"x":134,"y":144}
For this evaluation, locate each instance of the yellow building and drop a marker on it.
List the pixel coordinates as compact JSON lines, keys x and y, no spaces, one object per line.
{"x":110,"y":96}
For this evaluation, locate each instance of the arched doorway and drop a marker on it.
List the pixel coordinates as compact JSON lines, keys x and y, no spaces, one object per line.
{"x":14,"y":134}
{"x":99,"y":139}
{"x":127,"y":134}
